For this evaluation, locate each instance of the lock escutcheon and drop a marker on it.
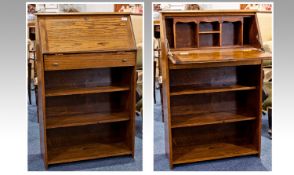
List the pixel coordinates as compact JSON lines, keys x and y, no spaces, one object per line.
{"x":55,"y":64}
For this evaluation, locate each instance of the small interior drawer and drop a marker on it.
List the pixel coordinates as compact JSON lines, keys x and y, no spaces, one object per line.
{"x":89,"y":60}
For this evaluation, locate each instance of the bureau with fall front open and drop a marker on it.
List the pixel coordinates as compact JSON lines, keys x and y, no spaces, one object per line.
{"x":87,"y":81}
{"x":212,"y":81}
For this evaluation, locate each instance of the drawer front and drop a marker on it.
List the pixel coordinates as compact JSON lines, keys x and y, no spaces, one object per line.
{"x":83,"y":61}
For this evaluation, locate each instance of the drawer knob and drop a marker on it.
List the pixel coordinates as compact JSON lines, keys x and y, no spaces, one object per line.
{"x":124,"y":60}
{"x":55,"y":64}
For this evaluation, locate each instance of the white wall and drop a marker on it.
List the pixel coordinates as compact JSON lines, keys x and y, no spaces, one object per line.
{"x":203,"y":6}
{"x":99,"y":8}
{"x":219,"y":6}
{"x":80,"y":7}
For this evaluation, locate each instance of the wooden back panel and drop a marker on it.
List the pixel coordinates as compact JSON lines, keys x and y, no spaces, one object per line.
{"x":107,"y":133}
{"x":238,"y":133}
{"x":85,"y":32}
{"x":87,"y":78}
{"x":85,"y":104}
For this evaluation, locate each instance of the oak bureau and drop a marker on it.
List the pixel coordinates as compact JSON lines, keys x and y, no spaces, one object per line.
{"x":87,"y":81}
{"x":212,"y":84}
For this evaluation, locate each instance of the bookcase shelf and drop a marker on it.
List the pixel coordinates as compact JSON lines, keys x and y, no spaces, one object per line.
{"x":75,"y":91}
{"x":87,"y":151}
{"x":211,"y":88}
{"x":189,"y":120}
{"x":196,"y":153}
{"x":191,"y":89}
{"x":85,"y":119}
{"x":87,"y":142}
{"x":209,"y":32}
{"x":87,"y":85}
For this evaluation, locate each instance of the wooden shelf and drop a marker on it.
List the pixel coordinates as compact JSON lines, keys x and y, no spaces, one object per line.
{"x":208,"y":119}
{"x":87,"y":151}
{"x":93,"y":90}
{"x":85,"y":119}
{"x":196,"y":153}
{"x":209,"y":32}
{"x":190,"y":89}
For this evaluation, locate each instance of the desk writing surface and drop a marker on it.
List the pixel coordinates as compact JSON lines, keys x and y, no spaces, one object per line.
{"x":217,"y":55}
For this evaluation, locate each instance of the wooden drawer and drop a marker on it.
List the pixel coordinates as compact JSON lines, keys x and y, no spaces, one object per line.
{"x":89,"y":60}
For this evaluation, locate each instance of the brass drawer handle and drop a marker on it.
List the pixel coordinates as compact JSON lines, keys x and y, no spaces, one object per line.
{"x":55,"y":64}
{"x":124,"y":60}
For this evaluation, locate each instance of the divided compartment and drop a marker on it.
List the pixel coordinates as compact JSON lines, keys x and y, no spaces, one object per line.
{"x":232,"y":33}
{"x":209,"y":40}
{"x":185,"y":35}
{"x":213,"y":26}
{"x":209,"y":34}
{"x":213,"y":142}
{"x":85,"y":81}
{"x":87,"y":142}
{"x":77,"y":110}
{"x":199,"y":32}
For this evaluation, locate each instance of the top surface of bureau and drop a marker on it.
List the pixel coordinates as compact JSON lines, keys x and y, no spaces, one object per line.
{"x":85,"y":32}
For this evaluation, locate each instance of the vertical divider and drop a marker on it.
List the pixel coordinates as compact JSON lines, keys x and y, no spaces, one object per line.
{"x":197,"y":34}
{"x":175,"y":33}
{"x":220,"y":32}
{"x":241,"y":32}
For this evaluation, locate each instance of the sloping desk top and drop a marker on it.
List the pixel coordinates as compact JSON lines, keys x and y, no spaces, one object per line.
{"x":217,"y":55}
{"x":85,"y":32}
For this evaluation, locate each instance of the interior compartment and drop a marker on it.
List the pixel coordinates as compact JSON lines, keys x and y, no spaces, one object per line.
{"x":218,"y":77}
{"x":105,"y":103}
{"x":232,"y":33}
{"x":250,"y":32}
{"x":234,"y":103}
{"x":169,"y":32}
{"x":87,"y":78}
{"x":213,"y":141}
{"x":86,"y":142}
{"x":209,"y":40}
{"x":235,"y":133}
{"x":209,"y":26}
{"x":186,"y":35}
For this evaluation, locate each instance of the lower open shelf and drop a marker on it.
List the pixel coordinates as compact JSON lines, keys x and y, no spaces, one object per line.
{"x":196,"y":153}
{"x":87,"y":151}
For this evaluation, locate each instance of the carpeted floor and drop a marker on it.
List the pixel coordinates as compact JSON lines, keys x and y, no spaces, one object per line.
{"x":248,"y":163}
{"x":125,"y":163}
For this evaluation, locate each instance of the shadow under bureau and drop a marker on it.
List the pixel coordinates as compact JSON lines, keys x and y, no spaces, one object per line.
{"x":87,"y":81}
{"x":212,"y":82}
